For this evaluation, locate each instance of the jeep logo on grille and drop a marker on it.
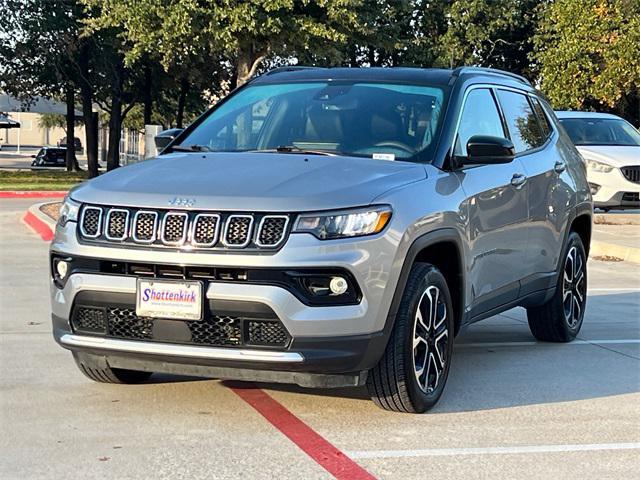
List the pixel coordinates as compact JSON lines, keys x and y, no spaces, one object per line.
{"x":182,"y":202}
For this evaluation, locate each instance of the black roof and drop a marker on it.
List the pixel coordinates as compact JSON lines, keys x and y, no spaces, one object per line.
{"x":427,"y":76}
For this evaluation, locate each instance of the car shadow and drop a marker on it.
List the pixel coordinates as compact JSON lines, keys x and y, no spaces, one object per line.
{"x":487,"y":375}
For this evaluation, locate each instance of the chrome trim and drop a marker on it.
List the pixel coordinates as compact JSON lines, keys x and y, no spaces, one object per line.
{"x":126,"y":224}
{"x":192,"y":230}
{"x":173,"y":350}
{"x":185,"y":228}
{"x":226,"y":228}
{"x":99,"y":231}
{"x":135,"y":224}
{"x":259,"y":229}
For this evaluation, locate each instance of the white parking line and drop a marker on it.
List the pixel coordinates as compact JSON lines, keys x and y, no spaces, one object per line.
{"x":624,"y":341}
{"x":450,"y":452}
{"x":622,"y":289}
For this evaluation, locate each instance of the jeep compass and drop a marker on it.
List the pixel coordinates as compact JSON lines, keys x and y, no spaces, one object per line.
{"x":329,"y":227}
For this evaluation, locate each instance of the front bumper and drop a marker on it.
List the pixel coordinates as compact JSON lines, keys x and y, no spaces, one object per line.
{"x":614,"y":190}
{"x":330,"y":345}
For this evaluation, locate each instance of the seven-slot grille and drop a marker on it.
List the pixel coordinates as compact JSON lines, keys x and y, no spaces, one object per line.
{"x":181,"y":228}
{"x":631,"y":173}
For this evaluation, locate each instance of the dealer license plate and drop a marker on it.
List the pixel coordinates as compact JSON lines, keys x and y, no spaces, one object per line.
{"x":169,"y":299}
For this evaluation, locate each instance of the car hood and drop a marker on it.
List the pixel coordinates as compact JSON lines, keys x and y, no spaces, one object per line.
{"x":616,"y":156}
{"x":249,"y":182}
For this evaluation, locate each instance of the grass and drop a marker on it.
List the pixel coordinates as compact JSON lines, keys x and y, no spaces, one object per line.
{"x":39,"y":179}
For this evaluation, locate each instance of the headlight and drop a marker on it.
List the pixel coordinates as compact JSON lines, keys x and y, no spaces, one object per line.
{"x":598,"y":166}
{"x":347,"y":223}
{"x":68,"y":211}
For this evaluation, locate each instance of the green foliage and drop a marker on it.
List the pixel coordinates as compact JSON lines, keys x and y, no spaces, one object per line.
{"x":489,"y":33}
{"x":588,"y":53}
{"x":242,"y":33}
{"x":55,"y":120}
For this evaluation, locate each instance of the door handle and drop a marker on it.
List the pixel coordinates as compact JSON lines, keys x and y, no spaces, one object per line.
{"x":560,"y":166}
{"x":518,"y":180}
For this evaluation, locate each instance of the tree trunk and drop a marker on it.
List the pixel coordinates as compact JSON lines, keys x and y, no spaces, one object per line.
{"x":148,"y":95}
{"x":247,"y":64}
{"x":115,"y":125}
{"x":72,"y":162}
{"x":90,"y":128}
{"x":184,"y":90}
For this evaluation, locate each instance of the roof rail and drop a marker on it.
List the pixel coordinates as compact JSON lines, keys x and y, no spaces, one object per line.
{"x":290,"y":68}
{"x":460,"y":70}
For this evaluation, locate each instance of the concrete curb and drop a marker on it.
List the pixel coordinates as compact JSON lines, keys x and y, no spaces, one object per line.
{"x":628,"y":254}
{"x":39,"y":222}
{"x":32,"y":194}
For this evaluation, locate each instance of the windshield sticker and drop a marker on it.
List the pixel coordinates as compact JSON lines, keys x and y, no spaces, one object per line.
{"x":384,"y":156}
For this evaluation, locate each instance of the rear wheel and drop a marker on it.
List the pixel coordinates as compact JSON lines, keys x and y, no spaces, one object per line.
{"x":413,"y":371}
{"x":97,"y":369}
{"x":560,"y":319}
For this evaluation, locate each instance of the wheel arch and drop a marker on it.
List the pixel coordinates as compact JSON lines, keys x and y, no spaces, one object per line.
{"x":582,"y":225}
{"x":442,"y":248}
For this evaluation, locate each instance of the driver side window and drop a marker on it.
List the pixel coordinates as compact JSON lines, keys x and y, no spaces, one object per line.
{"x":480,"y":116}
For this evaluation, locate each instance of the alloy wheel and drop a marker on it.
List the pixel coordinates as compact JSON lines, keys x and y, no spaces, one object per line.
{"x":574,"y":288}
{"x":430,"y":340}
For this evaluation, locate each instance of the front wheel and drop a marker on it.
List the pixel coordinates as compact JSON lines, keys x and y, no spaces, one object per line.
{"x":413,"y":370}
{"x":560,"y":319}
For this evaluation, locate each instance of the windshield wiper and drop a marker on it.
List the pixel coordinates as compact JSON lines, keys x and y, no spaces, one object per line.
{"x":293,"y":149}
{"x":190,"y":148}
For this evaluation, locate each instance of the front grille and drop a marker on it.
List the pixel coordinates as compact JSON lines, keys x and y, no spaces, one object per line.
{"x":267,"y":333}
{"x":631,"y":173}
{"x":183,"y":229}
{"x":631,"y":197}
{"x":117,"y":224}
{"x":272,"y":230}
{"x":174,"y":228}
{"x":124,"y":323}
{"x":205,"y":230}
{"x":238,"y":230}
{"x":145,"y":224}
{"x":121,"y":322}
{"x":91,"y":222}
{"x":89,"y":319}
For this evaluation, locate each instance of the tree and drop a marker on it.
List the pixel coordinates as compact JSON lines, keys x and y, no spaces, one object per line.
{"x":587,"y":52}
{"x":489,"y":33}
{"x":238,"y":35}
{"x":37,"y":58}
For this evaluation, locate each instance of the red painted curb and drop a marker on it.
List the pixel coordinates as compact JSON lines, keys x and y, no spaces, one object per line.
{"x":32,"y":194}
{"x":38,"y":226}
{"x":308,"y":440}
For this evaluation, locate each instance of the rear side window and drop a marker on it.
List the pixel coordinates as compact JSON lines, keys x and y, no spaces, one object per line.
{"x":480,"y":116}
{"x":545,"y":126}
{"x":522,"y":122}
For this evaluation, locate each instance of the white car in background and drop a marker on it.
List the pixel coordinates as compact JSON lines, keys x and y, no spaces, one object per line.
{"x":610,"y":147}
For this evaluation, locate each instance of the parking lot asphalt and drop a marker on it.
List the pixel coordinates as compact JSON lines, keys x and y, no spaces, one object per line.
{"x":513,"y":407}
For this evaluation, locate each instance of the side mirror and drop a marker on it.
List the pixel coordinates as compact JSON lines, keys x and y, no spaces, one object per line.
{"x":484,"y":149}
{"x":165,"y":138}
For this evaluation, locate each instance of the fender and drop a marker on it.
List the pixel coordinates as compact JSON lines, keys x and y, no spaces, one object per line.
{"x":447,"y":234}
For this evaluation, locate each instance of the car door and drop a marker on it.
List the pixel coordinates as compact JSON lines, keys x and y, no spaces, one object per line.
{"x":497,"y":209}
{"x":549,"y":195}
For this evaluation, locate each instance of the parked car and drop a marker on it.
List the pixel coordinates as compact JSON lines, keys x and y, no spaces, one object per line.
{"x":50,"y":157}
{"x":610,"y":147}
{"x":76,"y":142}
{"x":329,"y":227}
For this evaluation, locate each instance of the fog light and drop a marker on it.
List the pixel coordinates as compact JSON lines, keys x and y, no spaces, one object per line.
{"x":62,"y":268}
{"x":338,"y":285}
{"x":594,"y":187}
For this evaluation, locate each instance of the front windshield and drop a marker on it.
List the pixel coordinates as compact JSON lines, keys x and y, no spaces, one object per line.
{"x":601,"y":131}
{"x":378,"y":120}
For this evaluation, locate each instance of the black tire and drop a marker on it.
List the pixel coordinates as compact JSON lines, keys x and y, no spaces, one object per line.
{"x":555,"y":321}
{"x":98,"y":370}
{"x":393,"y":383}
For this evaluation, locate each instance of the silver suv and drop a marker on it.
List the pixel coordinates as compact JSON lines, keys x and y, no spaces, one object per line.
{"x":330,"y":228}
